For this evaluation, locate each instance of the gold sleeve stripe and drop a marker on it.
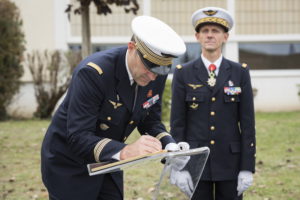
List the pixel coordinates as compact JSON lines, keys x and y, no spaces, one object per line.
{"x":96,"y":67}
{"x":161,"y":135}
{"x":99,"y":147}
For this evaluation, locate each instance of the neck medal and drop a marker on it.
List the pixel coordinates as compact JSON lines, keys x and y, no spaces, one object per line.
{"x":212,"y":76}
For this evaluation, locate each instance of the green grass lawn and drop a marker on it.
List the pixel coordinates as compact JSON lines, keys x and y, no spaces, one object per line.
{"x":277,"y":174}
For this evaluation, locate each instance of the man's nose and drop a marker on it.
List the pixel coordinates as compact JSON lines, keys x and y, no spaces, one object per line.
{"x":209,"y":33}
{"x":152,"y":76}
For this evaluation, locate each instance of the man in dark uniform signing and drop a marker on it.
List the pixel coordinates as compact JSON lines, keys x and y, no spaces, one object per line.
{"x":111,"y":93}
{"x":212,"y":105}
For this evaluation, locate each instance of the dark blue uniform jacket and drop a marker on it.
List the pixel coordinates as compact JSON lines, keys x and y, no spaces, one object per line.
{"x":208,"y":116}
{"x":93,"y":122}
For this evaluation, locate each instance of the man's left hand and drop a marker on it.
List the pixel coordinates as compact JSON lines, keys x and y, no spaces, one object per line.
{"x":183,"y":180}
{"x":245,"y":180}
{"x":179,"y":162}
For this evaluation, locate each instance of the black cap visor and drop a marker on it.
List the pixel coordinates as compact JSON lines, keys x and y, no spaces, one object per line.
{"x":156,"y":69}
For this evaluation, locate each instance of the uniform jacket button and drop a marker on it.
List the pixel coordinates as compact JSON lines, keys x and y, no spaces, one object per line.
{"x":212,"y":128}
{"x":212,"y":142}
{"x":213,"y":99}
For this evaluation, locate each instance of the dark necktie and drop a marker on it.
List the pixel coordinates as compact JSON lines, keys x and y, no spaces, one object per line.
{"x":135,"y":92}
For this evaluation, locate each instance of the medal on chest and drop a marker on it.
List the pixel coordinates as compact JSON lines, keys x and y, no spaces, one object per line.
{"x":212,"y":76}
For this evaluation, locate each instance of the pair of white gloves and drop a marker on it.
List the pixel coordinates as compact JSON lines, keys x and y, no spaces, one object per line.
{"x":183,"y":179}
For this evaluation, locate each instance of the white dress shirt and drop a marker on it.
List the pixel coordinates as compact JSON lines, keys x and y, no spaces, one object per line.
{"x":217,"y":63}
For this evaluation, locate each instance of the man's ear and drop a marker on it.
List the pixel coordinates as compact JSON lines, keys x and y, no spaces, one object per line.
{"x":226,"y":35}
{"x":197,"y":35}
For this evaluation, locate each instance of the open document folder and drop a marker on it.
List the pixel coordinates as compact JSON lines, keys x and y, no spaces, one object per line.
{"x":171,"y":182}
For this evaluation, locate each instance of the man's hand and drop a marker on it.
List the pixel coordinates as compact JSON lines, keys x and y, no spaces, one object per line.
{"x":177,"y":147}
{"x":183,"y":180}
{"x":245,"y":179}
{"x":144,"y":145}
{"x":179,"y":162}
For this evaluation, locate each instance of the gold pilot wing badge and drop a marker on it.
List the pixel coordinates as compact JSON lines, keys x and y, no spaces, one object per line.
{"x":115,"y":104}
{"x":194,"y":86}
{"x":210,"y":12}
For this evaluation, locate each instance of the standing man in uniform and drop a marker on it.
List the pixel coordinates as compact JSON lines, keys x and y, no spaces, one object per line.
{"x":111,"y":93}
{"x":212,"y":105}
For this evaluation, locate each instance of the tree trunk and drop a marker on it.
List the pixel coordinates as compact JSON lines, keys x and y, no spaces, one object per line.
{"x":85,"y":31}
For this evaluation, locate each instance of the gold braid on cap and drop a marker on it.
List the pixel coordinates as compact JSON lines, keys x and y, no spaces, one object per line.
{"x":217,"y":20}
{"x":150,"y":55}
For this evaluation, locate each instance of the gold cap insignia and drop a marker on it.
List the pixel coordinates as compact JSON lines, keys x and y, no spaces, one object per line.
{"x":210,"y":12}
{"x":195,"y":86}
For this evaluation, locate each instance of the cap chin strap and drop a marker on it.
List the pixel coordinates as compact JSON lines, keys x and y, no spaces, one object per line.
{"x":157,"y":69}
{"x":150,"y":55}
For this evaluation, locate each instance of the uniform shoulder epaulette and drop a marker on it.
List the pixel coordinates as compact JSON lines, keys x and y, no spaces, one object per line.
{"x":179,"y":66}
{"x":244,"y":65}
{"x":96,"y":67}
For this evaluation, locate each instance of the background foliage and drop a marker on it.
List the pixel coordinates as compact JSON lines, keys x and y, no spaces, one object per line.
{"x":51,"y":72}
{"x":11,"y":50}
{"x":277,"y":162}
{"x":166,"y":101}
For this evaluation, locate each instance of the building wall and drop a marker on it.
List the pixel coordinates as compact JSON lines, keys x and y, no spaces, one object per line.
{"x":38,"y":26}
{"x":267,"y":17}
{"x":276,"y":90}
{"x":46,"y":26}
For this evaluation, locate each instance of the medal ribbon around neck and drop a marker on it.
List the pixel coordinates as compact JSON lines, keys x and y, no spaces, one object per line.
{"x":212,"y":76}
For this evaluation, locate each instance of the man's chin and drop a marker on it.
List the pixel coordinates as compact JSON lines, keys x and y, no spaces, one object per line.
{"x":142,"y":83}
{"x":210,"y":49}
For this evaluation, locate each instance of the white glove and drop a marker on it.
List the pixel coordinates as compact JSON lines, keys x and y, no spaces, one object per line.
{"x":183,"y":180}
{"x":178,"y":163}
{"x":245,"y":179}
{"x":184,"y":146}
{"x":172,"y":147}
{"x":177,"y":147}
